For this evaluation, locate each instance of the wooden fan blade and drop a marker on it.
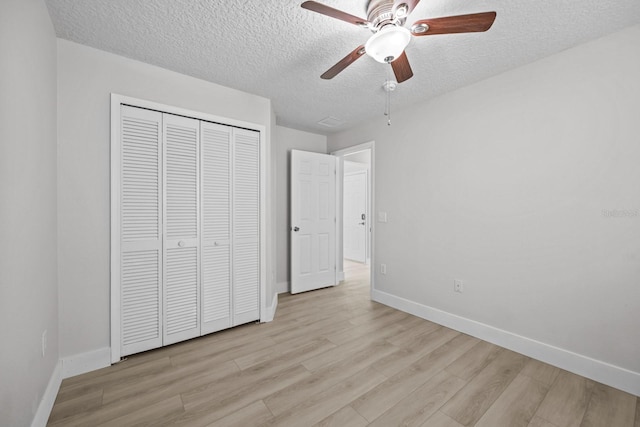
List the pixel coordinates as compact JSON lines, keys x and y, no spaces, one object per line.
{"x":343,"y":63}
{"x":411,"y":4}
{"x":401,"y":68}
{"x":472,"y":23}
{"x":334,"y":13}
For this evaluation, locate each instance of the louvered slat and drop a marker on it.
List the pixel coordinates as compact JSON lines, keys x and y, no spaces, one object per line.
{"x":216,"y":298}
{"x":140,"y":191}
{"x":246,"y":279}
{"x":181,"y":181}
{"x":181,"y":290}
{"x":246,"y":195}
{"x":140,"y":296}
{"x":215,"y":181}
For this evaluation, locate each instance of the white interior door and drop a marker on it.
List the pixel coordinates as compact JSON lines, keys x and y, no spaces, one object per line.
{"x":246,"y":226}
{"x":354,"y":216}
{"x":313,"y":221}
{"x":216,"y":226}
{"x":181,"y":290}
{"x":140,"y":211}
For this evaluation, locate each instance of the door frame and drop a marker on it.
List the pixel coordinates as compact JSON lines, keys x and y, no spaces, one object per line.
{"x":115,"y":142}
{"x":339,"y":229}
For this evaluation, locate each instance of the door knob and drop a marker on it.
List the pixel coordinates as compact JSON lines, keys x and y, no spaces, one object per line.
{"x":296,"y":229}
{"x":181,"y":243}
{"x":361,"y":223}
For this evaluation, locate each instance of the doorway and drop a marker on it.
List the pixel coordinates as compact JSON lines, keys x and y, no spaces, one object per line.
{"x":355,"y":201}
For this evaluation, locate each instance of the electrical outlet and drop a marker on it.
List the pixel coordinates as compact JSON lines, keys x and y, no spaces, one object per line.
{"x":44,"y":342}
{"x":383,"y":268}
{"x":458,"y":286}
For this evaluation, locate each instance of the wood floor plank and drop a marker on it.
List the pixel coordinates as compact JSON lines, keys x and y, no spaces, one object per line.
{"x":474,"y":361}
{"x":420,"y":405}
{"x":148,"y":415}
{"x":470,"y":403}
{"x":516,"y":405}
{"x":272,"y":371}
{"x":252,"y":414}
{"x":394,"y":389}
{"x":210,"y":407}
{"x":541,"y":372}
{"x":567,"y":400}
{"x":345,"y":417}
{"x":637,"y":424}
{"x":440,"y":419}
{"x":409,"y":335}
{"x":609,"y":407}
{"x":132,"y":402}
{"x":540,"y":422}
{"x":410,"y":353}
{"x":316,"y":408}
{"x":327,"y":377}
{"x":177,"y":379}
{"x":69,"y":407}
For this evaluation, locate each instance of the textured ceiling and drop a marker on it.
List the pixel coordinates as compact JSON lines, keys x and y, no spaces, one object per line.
{"x":278,"y":50}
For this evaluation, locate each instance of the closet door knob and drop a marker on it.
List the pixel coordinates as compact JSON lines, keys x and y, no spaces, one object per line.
{"x":296,"y":229}
{"x":181,"y":243}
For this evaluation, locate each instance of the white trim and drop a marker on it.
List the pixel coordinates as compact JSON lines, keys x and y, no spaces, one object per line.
{"x":48,"y":398}
{"x":271,"y":310}
{"x":85,"y":362}
{"x":596,"y":370}
{"x":114,"y":285}
{"x":116,"y":101}
{"x":283,"y":287}
{"x":371,"y":145}
{"x":340,"y":276}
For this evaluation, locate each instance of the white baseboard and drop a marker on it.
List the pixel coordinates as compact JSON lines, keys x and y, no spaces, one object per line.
{"x":596,"y":370}
{"x":271,"y":310}
{"x":282,"y":287}
{"x":48,"y":398}
{"x":85,"y":362}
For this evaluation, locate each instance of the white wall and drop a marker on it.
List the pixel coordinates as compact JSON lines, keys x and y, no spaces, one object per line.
{"x":507,"y":185}
{"x":86,"y":77}
{"x":287,"y":139}
{"x":28,"y":263}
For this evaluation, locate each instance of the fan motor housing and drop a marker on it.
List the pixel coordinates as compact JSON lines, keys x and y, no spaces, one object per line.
{"x":380,"y":13}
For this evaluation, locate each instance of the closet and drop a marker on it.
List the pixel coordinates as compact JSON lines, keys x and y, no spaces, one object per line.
{"x":186,"y":240}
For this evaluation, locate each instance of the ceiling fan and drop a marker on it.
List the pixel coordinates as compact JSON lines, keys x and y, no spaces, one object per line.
{"x":386,"y":18}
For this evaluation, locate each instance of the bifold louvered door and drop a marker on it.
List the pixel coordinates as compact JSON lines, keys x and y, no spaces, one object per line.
{"x":181,"y":228}
{"x":216,"y":227}
{"x":246,"y":225}
{"x":188,"y":233}
{"x":140,"y":230}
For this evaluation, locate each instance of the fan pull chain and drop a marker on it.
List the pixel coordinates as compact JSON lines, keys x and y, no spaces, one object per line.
{"x":388,"y":86}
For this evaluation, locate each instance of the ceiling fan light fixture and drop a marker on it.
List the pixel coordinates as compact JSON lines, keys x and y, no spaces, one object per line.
{"x":388,"y":44}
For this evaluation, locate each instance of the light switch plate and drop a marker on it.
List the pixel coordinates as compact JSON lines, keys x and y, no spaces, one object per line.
{"x":382,"y":217}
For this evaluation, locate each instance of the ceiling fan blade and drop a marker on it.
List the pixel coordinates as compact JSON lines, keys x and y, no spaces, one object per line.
{"x":411,"y":4}
{"x":401,"y":68}
{"x":343,"y":63}
{"x":472,"y":23}
{"x":334,"y":13}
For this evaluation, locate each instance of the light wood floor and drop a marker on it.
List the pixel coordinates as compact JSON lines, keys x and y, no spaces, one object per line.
{"x":334,"y":358}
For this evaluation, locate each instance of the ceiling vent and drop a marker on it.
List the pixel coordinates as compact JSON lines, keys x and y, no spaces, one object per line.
{"x":331,"y":122}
